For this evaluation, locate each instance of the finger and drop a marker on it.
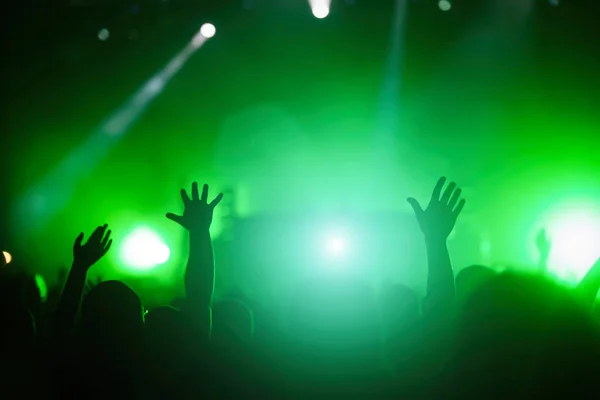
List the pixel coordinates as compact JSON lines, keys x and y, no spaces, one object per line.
{"x":107,"y":247}
{"x":448,"y":192}
{"x":416,"y":207}
{"x":99,"y":233}
{"x":175,"y":218}
{"x":204,"y":197}
{"x":437,"y":190}
{"x":195,"y":191}
{"x":454,"y":199}
{"x":185,"y":197}
{"x":106,"y":238}
{"x":217,"y":200}
{"x":79,"y":240}
{"x":459,"y":208}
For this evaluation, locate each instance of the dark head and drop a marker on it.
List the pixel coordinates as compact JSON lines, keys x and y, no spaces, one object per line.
{"x":20,"y":290}
{"x":18,"y":333}
{"x":471,"y":278}
{"x":112,"y":314}
{"x":165,"y":328}
{"x":530,"y":335}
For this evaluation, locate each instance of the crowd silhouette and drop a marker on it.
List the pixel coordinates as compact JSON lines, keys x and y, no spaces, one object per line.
{"x":477,"y":334}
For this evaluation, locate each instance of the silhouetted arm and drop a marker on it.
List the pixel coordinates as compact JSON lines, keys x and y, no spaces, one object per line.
{"x":437,"y":222}
{"x":84,"y":256}
{"x":200,"y":272}
{"x":440,"y":275}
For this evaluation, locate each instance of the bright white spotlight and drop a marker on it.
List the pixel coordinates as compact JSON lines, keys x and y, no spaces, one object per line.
{"x":208,"y":30}
{"x":336,"y":245}
{"x":143,"y":249}
{"x":444,"y":5}
{"x":320,"y":11}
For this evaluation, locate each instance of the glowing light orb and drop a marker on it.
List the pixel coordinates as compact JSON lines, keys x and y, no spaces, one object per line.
{"x":103,"y":34}
{"x":336,"y":245}
{"x":143,"y":249}
{"x":208,"y":30}
{"x":320,"y":11}
{"x":445,"y":5}
{"x":575,"y":237}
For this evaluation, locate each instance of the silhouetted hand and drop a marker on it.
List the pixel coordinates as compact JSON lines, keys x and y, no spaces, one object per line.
{"x":543,"y":244}
{"x":438,"y":220}
{"x":197,"y":212}
{"x":94,"y":249}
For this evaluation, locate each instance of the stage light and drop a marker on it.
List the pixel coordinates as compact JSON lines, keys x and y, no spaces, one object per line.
{"x":7,"y":257}
{"x":575,"y":237}
{"x":143,"y":249}
{"x":53,"y":192}
{"x":103,"y":34}
{"x":320,"y":11}
{"x":208,"y":30}
{"x":445,"y":5}
{"x":320,"y":8}
{"x":336,"y":245}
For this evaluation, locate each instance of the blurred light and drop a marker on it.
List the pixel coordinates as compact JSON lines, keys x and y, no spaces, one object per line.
{"x":320,"y":11}
{"x":554,"y":3}
{"x":444,"y":5}
{"x":103,"y":34}
{"x":42,"y":287}
{"x":155,"y":85}
{"x":7,"y":257}
{"x":336,"y":245}
{"x":575,"y":237}
{"x":208,"y":30}
{"x":144,"y":249}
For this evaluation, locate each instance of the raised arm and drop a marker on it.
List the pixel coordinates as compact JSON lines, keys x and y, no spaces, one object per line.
{"x":200,"y":272}
{"x":84,"y":256}
{"x":437,"y":222}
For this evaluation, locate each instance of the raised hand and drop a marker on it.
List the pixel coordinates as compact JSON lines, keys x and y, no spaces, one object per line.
{"x":197,"y":212}
{"x":94,"y":249}
{"x":438,"y":219}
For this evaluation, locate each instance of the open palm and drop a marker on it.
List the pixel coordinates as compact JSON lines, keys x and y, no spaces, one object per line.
{"x":438,"y":219}
{"x":197,"y":211}
{"x":94,"y":249}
